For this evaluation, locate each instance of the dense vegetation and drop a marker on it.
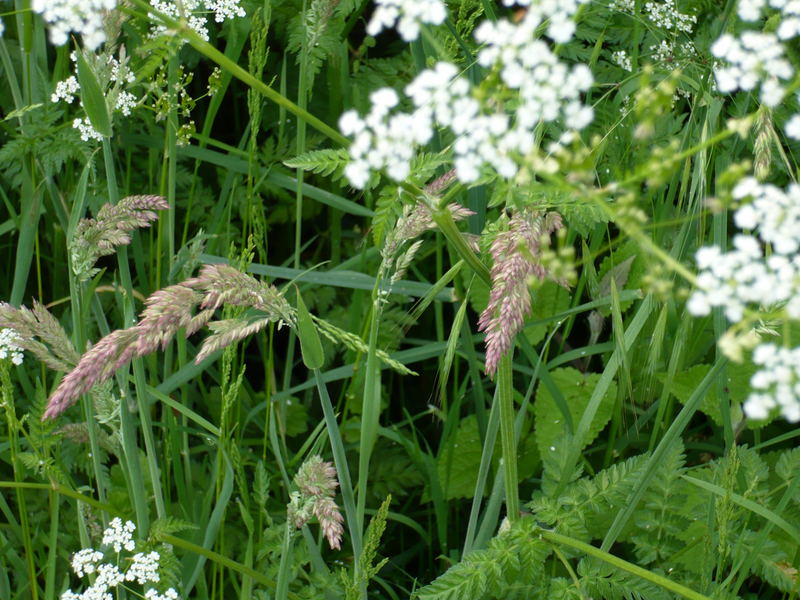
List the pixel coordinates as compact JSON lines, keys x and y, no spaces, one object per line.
{"x":399,"y":299}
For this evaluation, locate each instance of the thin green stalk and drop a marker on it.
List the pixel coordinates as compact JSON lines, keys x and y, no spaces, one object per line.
{"x":63,"y":491}
{"x":508,"y":442}
{"x":340,"y":460}
{"x":667,"y":584}
{"x":444,"y":220}
{"x":52,"y":546}
{"x":370,"y":405}
{"x":183,"y":29}
{"x":282,"y":588}
{"x":7,"y":397}
{"x":140,"y":383}
{"x":78,"y":333}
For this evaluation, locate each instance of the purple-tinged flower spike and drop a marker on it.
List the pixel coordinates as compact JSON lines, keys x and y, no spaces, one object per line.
{"x":331,"y":520}
{"x":316,"y":478}
{"x":97,"y":365}
{"x":111,"y":228}
{"x":168,"y":311}
{"x":317,"y":483}
{"x":515,"y":253}
{"x":223,"y":284}
{"x":418,"y":219}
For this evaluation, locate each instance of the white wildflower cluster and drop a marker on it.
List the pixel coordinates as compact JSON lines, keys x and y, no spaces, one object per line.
{"x":119,"y":535}
{"x":626,"y":6}
{"x":744,"y":275}
{"x":406,"y":16}
{"x":87,"y":131}
{"x":9,"y":346}
{"x":543,"y":90}
{"x":84,"y":17}
{"x":621,"y":59}
{"x":152,"y":594}
{"x":776,"y":384}
{"x":558,"y":15}
{"x":116,"y":75}
{"x":753,"y":59}
{"x":381,"y":140}
{"x":758,"y":58}
{"x":789,"y":26}
{"x":142,"y":568}
{"x":748,"y":277}
{"x":66,"y":90}
{"x":792,"y":127}
{"x":666,"y":15}
{"x":125,"y":103}
{"x":196,"y":13}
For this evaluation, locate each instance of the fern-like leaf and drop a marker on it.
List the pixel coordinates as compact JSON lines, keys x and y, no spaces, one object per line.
{"x":330,"y":161}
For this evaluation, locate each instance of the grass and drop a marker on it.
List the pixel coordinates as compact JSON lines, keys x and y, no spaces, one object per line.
{"x":608,"y":457}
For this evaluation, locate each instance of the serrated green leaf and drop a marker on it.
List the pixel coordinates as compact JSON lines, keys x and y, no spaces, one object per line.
{"x":576,"y":387}
{"x":93,"y":98}
{"x":581,"y":216}
{"x":548,"y":299}
{"x":458,"y":463}
{"x":296,"y":418}
{"x":788,"y":465}
{"x":310,"y":345}
{"x":738,"y":377}
{"x":321,"y":162}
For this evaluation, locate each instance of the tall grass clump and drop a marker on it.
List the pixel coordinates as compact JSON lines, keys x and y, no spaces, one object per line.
{"x":399,"y":299}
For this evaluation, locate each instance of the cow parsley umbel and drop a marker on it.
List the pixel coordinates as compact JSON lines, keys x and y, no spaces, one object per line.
{"x":533,"y":82}
{"x":111,"y":567}
{"x":745,"y":279}
{"x":83,"y":17}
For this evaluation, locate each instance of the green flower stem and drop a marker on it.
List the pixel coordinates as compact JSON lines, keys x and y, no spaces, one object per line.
{"x":282,"y":590}
{"x":444,"y":220}
{"x":508,"y":442}
{"x":78,"y":338}
{"x":371,"y":402}
{"x":63,"y":491}
{"x":203,"y":47}
{"x":7,"y":398}
{"x":677,"y":588}
{"x":140,"y":384}
{"x":340,"y":461}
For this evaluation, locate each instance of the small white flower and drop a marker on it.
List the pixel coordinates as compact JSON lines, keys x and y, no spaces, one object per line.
{"x":84,"y":17}
{"x":66,"y":90}
{"x":86,"y":561}
{"x":9,"y":346}
{"x":152,"y":594}
{"x":109,"y":575}
{"x":144,"y":568}
{"x":665,"y":14}
{"x":753,"y":58}
{"x":119,"y":535}
{"x":621,"y":59}
{"x":86,"y":130}
{"x":792,"y":127}
{"x":126,"y":102}
{"x":406,"y":16}
{"x":776,"y":385}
